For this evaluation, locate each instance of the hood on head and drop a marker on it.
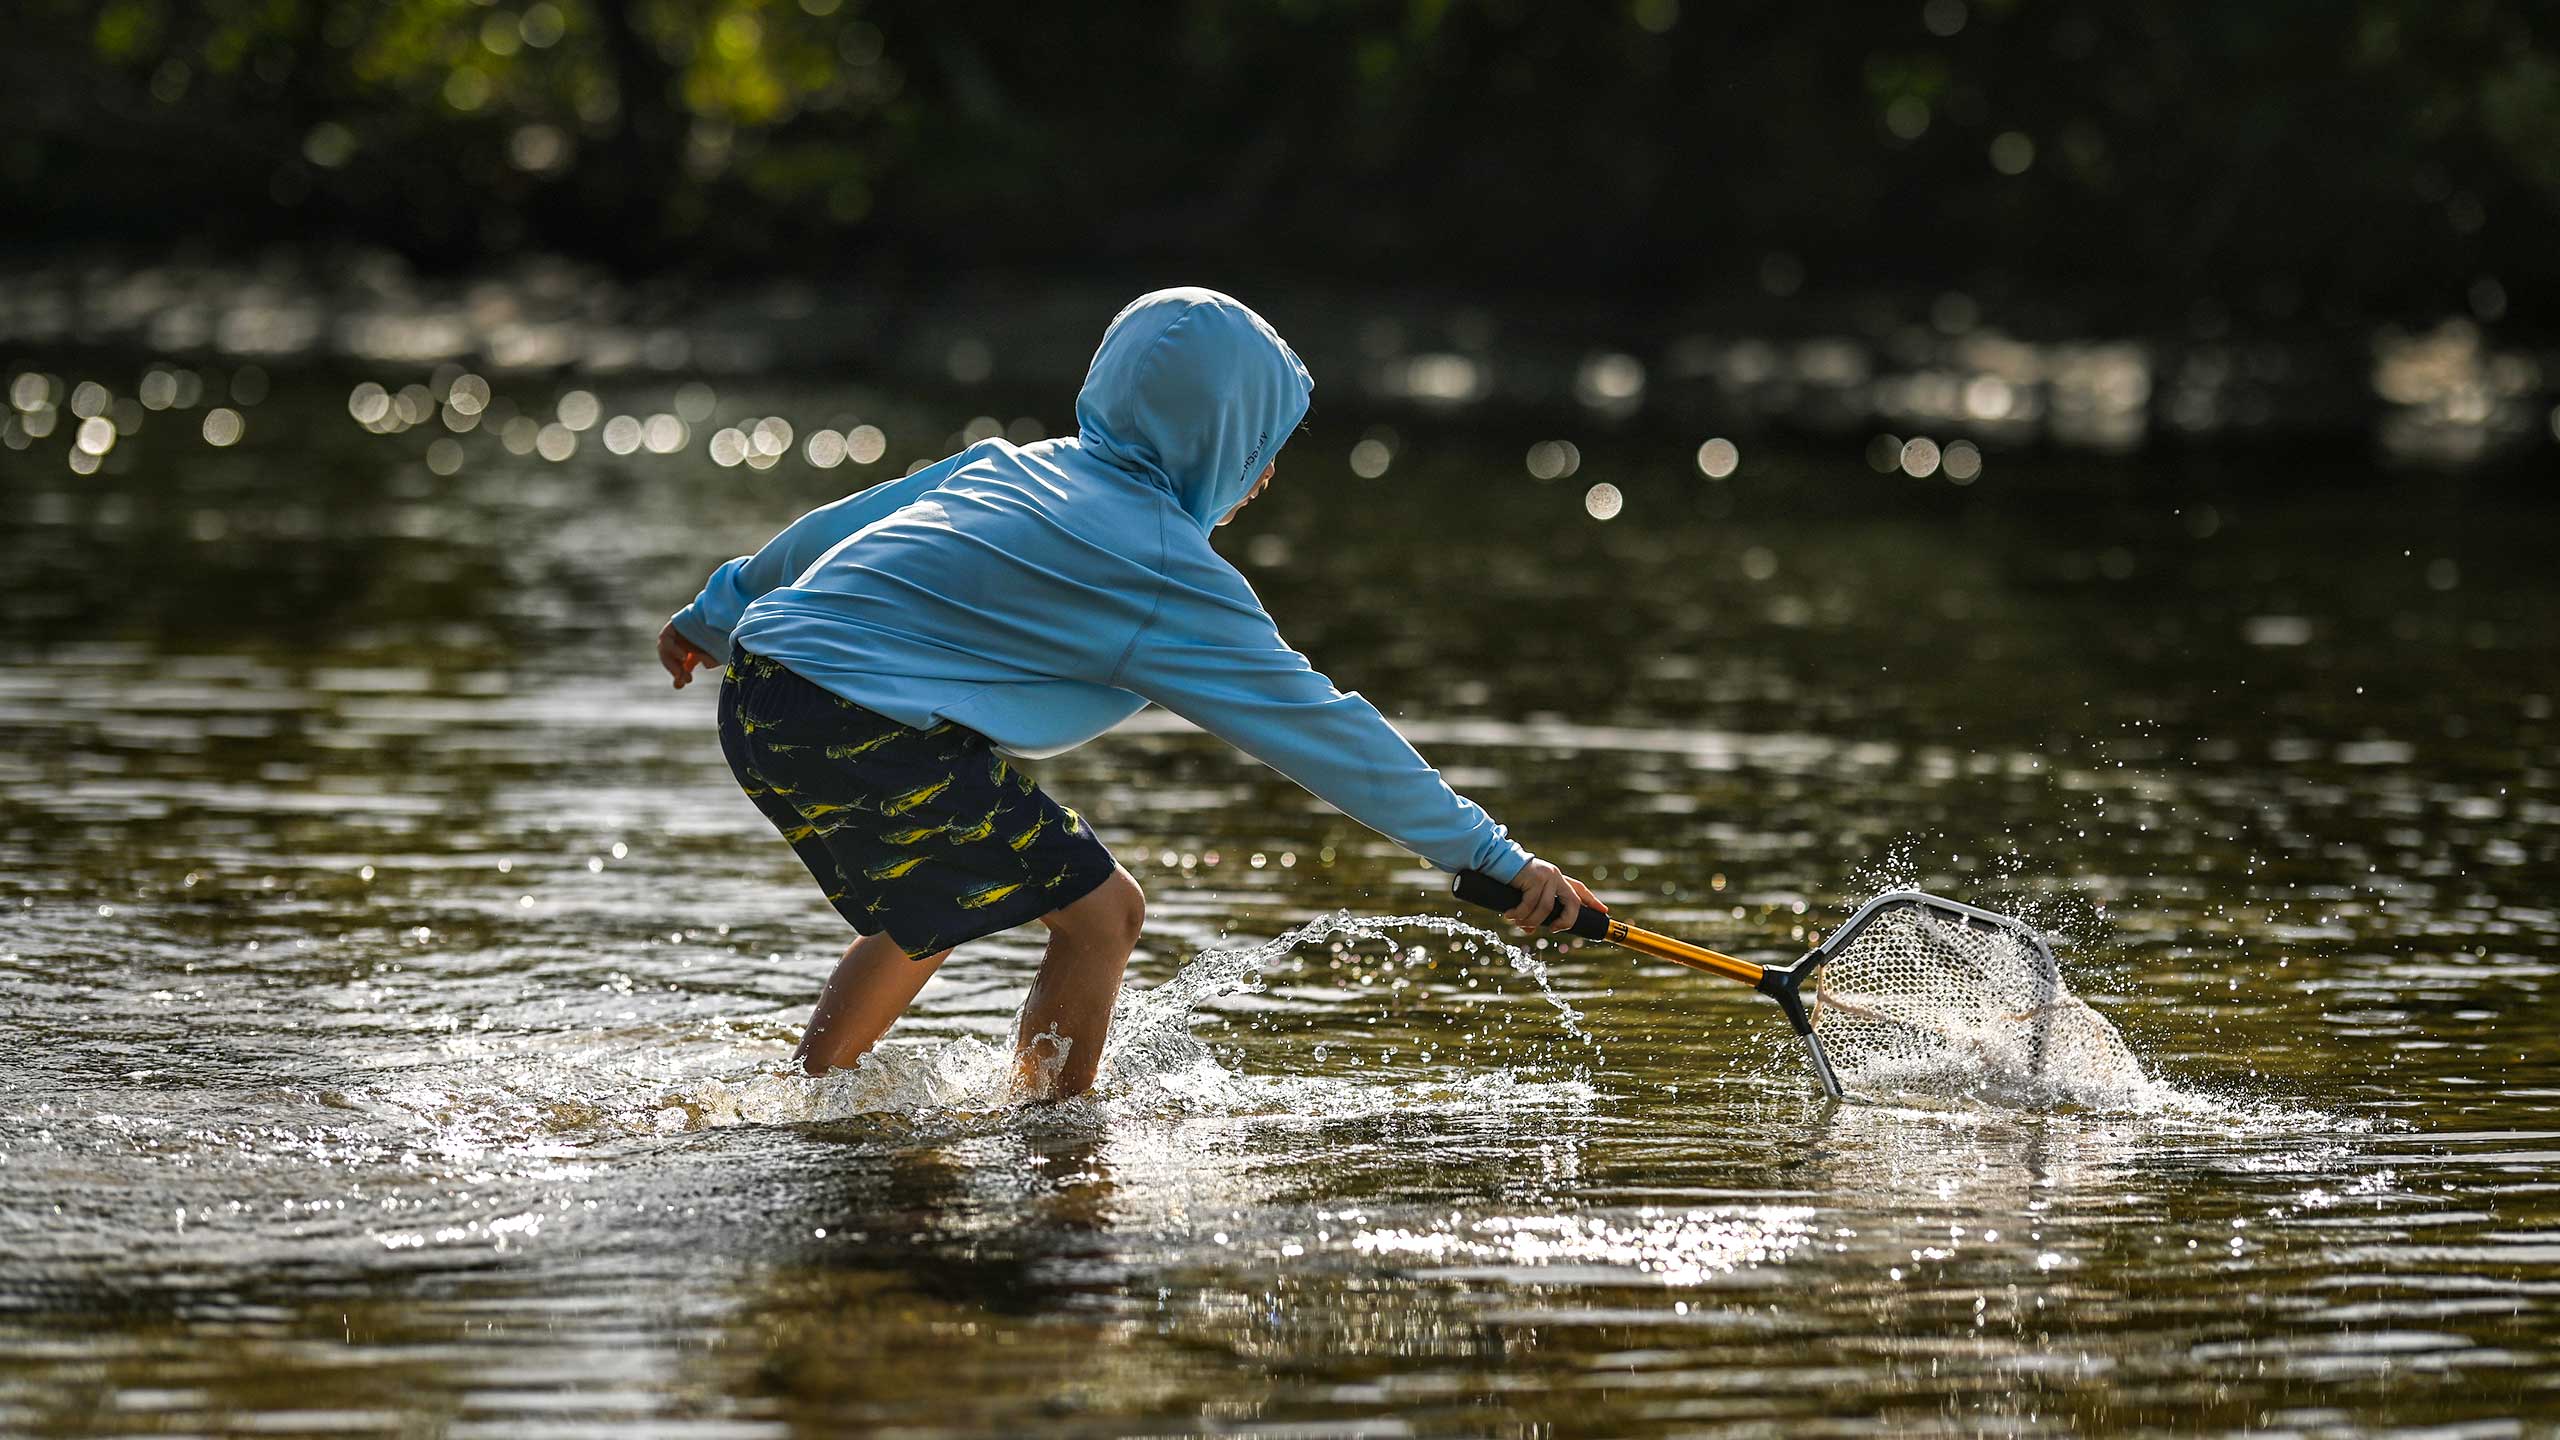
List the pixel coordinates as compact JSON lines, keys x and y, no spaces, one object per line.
{"x":1194,"y":391}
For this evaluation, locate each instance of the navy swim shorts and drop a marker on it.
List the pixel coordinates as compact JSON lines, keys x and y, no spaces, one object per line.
{"x":931,"y":835}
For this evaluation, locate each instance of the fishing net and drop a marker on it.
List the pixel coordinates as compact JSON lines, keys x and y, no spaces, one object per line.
{"x":1915,"y":999}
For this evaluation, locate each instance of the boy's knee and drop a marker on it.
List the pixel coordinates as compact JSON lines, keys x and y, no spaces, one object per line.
{"x":1113,"y":913}
{"x":1128,"y":905}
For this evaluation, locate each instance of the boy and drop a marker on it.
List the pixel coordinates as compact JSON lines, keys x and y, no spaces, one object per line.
{"x":892,"y":652}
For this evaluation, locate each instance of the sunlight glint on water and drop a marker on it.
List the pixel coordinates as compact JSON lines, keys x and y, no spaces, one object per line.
{"x":390,"y":962}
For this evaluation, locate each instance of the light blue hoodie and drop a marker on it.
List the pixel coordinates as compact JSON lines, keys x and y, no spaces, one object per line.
{"x":1041,"y":594}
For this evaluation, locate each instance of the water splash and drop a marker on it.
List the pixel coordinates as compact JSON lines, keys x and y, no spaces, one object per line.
{"x":1144,"y":1015}
{"x":1938,"y":1014}
{"x":1917,"y":1003}
{"x":1153,"y":1063}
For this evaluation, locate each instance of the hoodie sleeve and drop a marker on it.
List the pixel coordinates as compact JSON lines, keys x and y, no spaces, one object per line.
{"x":1212,"y":655}
{"x":737,"y":583}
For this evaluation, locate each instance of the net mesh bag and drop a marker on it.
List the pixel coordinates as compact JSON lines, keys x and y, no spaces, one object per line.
{"x":1917,"y":1002}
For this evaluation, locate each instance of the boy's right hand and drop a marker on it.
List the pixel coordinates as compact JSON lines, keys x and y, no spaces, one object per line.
{"x":680,"y":656}
{"x":1541,"y":885}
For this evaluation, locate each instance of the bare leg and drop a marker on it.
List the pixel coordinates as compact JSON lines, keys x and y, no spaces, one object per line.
{"x":1089,"y":945}
{"x":872,"y":987}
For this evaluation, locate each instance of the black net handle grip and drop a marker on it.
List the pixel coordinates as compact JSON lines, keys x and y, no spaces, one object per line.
{"x":1477,"y":888}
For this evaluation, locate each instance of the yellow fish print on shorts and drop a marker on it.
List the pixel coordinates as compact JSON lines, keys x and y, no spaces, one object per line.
{"x":895,"y":869}
{"x":850,"y":752}
{"x":922,"y":794}
{"x":986,"y":895}
{"x":980,"y":831}
{"x":1001,"y":771}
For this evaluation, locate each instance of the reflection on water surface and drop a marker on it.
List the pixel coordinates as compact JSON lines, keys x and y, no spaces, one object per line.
{"x":399,"y":994}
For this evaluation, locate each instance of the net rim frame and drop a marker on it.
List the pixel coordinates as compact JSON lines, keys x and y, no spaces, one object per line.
{"x":1972,"y":917}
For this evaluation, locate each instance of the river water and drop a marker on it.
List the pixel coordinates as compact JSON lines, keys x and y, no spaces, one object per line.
{"x":399,"y":994}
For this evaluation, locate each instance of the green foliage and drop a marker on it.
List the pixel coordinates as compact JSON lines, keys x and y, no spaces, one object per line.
{"x":2360,"y":156}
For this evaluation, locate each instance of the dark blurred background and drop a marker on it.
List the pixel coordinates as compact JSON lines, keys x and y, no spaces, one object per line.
{"x":2280,"y":160}
{"x":2366,"y":189}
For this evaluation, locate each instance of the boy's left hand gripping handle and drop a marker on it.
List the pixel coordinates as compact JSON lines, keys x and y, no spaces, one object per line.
{"x":1477,"y":888}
